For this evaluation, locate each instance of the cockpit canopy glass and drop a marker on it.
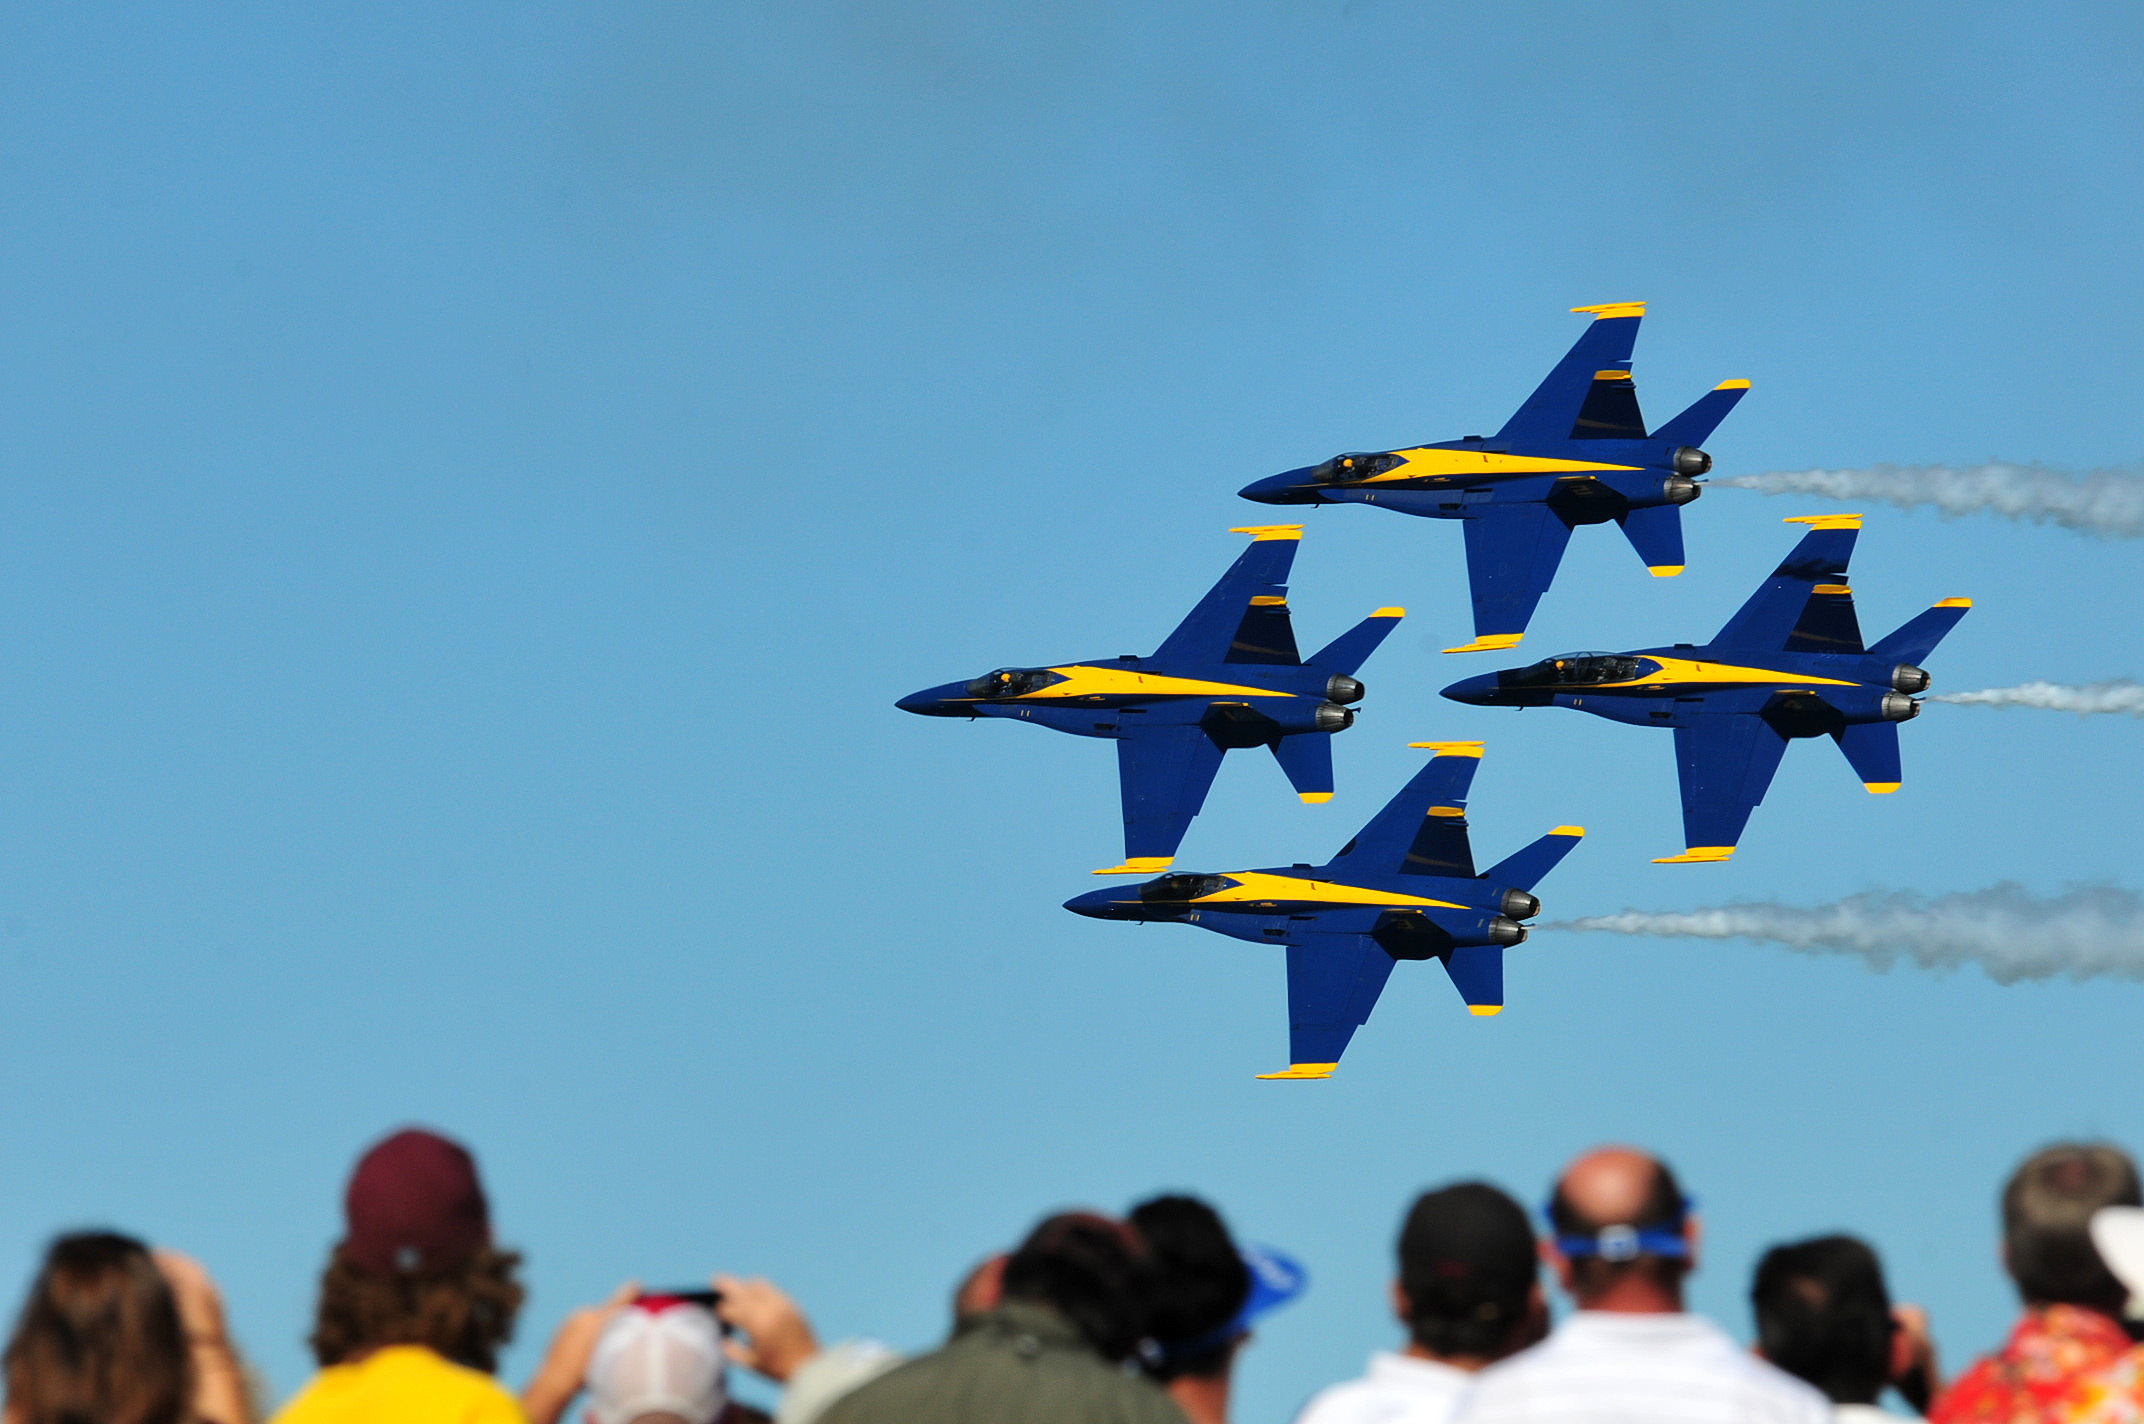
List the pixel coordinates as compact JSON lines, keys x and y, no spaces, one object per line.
{"x":1013,"y":682}
{"x":1345,"y":469}
{"x":1581,"y":670}
{"x":1177,"y":888}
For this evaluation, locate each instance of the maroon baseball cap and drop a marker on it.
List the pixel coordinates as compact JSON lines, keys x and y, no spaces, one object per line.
{"x":414,"y":1203}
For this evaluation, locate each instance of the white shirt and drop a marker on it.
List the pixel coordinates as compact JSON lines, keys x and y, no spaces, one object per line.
{"x":1869,"y":1414}
{"x":1396,"y":1389}
{"x":1607,"y":1368}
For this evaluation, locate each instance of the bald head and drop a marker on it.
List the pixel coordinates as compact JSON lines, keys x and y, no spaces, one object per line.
{"x":1611,"y":1186}
{"x":1622,"y":1187}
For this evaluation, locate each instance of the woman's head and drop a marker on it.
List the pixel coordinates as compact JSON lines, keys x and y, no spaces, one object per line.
{"x":416,"y":1265}
{"x":99,"y":1339}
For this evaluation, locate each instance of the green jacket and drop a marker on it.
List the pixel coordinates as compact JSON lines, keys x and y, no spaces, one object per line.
{"x":1019,"y":1364}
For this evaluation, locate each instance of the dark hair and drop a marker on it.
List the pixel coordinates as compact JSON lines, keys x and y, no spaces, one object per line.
{"x":1823,"y":1315}
{"x":1095,"y":1272}
{"x":464,"y":1312}
{"x":99,"y":1339}
{"x":1468,"y":1269}
{"x":2047,"y":1217}
{"x":1200,"y":1283}
{"x":1664,"y":1206}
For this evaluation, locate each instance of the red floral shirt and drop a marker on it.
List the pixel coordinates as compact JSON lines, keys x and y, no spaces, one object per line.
{"x":2030,"y":1381}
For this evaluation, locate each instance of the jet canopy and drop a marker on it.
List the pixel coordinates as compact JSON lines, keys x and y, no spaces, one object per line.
{"x":1580,"y":670}
{"x":1357,"y":465}
{"x":1177,"y":888}
{"x":1013,"y":682}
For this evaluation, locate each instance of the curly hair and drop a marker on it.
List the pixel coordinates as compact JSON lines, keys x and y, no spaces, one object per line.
{"x":464,"y":1312}
{"x":99,"y":1338}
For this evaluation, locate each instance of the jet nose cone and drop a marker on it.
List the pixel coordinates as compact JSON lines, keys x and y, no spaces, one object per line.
{"x":1477,"y":691}
{"x":932,"y":702}
{"x":1289,"y":487}
{"x":1096,"y":905}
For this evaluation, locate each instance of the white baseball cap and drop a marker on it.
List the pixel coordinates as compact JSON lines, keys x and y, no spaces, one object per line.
{"x":658,"y":1356}
{"x":2118,"y":1232}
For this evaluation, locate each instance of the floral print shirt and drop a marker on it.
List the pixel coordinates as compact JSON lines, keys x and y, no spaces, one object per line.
{"x":2039,"y":1374}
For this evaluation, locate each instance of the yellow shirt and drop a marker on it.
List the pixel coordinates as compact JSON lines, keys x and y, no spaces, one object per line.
{"x":402,"y":1384}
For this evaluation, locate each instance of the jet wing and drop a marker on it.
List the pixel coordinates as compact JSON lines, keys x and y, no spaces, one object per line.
{"x":1588,"y":395}
{"x":1805,"y":606}
{"x":1512,"y":554}
{"x":1333,"y":983}
{"x":1163,"y":774}
{"x":1422,"y":830}
{"x":1244,"y":617}
{"x":1726,"y":763}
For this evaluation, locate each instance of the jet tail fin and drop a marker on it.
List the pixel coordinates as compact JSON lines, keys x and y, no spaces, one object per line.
{"x":1307,"y":758}
{"x":1918,"y":637}
{"x":1655,"y":531}
{"x":1477,"y":972}
{"x":1524,"y":869}
{"x":1871,"y":749}
{"x":1352,"y":649}
{"x":1704,"y":417}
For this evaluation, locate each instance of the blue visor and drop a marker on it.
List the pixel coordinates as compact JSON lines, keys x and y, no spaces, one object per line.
{"x":1275,"y":1280}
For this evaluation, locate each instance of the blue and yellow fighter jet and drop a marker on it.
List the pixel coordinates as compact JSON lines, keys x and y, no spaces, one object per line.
{"x":1575,"y":453}
{"x":1404,"y":888}
{"x":1789,"y":664}
{"x":1228,"y":677}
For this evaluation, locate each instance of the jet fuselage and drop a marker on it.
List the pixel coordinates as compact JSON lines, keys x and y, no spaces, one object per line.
{"x":1801,"y":694}
{"x":1244,"y":704}
{"x":1587,"y":482}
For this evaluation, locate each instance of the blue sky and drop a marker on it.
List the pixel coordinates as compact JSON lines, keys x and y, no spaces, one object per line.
{"x":478,"y":477}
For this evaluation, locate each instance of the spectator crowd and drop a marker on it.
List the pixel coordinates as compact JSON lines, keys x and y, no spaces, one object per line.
{"x":1138,"y":1319}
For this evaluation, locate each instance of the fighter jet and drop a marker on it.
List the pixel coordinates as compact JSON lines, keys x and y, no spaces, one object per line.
{"x":1403,"y":888}
{"x":1228,"y":677}
{"x":1575,"y":453}
{"x":1789,"y":664}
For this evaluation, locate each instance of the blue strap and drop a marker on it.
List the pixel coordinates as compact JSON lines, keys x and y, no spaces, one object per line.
{"x":1626,"y":1243}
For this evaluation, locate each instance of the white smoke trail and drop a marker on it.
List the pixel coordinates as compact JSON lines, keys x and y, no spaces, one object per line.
{"x":2119,"y":696}
{"x":2109,"y":503}
{"x":2087,"y":931}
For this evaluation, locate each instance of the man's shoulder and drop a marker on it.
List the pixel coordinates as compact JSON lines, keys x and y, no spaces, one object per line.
{"x":970,"y":1381}
{"x":1424,"y":1398}
{"x":404,"y":1383}
{"x":1690,"y":1361}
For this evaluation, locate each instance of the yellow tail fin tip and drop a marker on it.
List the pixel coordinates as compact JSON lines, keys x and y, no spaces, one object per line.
{"x":1465,"y":749}
{"x":1697,"y":855}
{"x":1139,"y":865}
{"x":1489,"y":643}
{"x":1315,"y":798}
{"x":1664,"y":570}
{"x":1304,"y":1070}
{"x":1882,"y":788}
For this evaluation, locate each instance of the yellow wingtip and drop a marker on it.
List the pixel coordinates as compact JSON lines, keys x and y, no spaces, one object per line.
{"x":1732,"y":386}
{"x":1611,"y":309}
{"x":1697,"y":855}
{"x":1568,"y":831}
{"x":1388,"y":613}
{"x":1483,"y":1011}
{"x":1489,"y":643}
{"x":1304,"y":1070}
{"x":1664,"y":570}
{"x":1315,"y":798}
{"x":1955,"y":603}
{"x":1881,"y":788}
{"x":1465,"y":749}
{"x":1139,"y":865}
{"x":1262,"y":532}
{"x":1825,"y":521}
